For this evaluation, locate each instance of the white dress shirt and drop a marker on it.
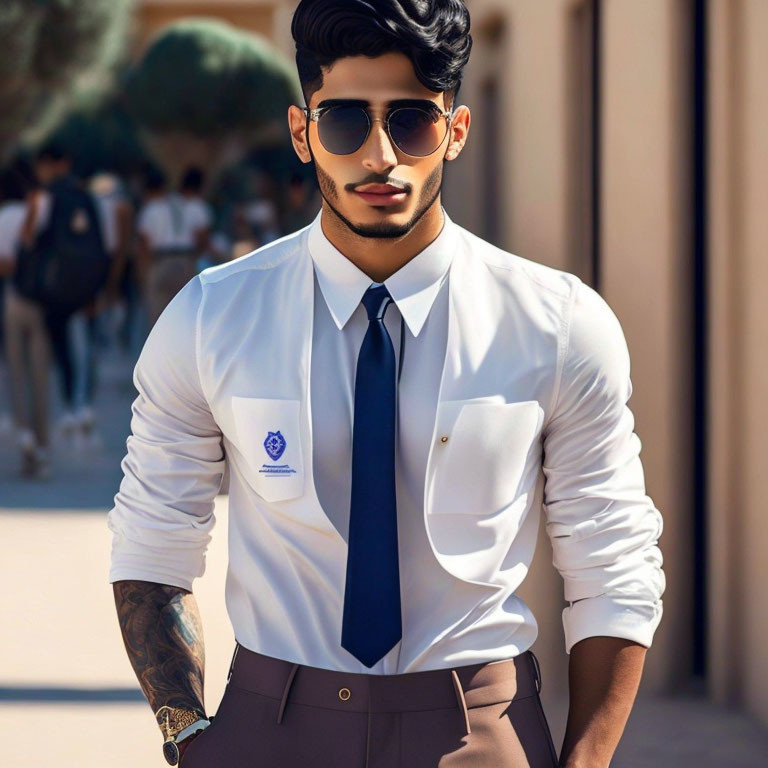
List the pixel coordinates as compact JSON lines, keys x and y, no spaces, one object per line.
{"x":173,"y":221}
{"x":513,"y":392}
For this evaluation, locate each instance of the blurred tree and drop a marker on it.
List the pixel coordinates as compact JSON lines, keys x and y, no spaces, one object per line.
{"x":48,"y":50}
{"x":101,"y":136}
{"x":206,"y":92}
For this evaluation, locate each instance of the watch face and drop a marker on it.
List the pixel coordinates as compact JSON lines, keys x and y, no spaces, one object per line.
{"x":171,"y":753}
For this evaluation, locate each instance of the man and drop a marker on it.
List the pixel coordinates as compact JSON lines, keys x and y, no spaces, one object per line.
{"x":49,"y":225}
{"x":26,"y":338}
{"x":382,"y":385}
{"x":173,"y":229}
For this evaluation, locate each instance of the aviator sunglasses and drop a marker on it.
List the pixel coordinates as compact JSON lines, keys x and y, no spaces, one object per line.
{"x":415,"y":126}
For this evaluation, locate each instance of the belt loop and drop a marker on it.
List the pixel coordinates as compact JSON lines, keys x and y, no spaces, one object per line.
{"x":537,"y":671}
{"x":460,"y":696}
{"x":287,"y":688}
{"x":232,"y":663}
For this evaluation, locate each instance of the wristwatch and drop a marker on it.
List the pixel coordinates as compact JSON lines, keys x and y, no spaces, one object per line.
{"x":178,"y":724}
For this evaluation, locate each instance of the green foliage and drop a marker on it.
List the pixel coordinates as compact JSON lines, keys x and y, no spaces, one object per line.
{"x":101,"y":136}
{"x":207,"y":78}
{"x":48,"y":49}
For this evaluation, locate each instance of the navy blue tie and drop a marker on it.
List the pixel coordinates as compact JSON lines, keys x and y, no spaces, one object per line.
{"x":372,"y":624}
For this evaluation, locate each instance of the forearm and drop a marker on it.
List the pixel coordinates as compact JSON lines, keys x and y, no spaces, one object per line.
{"x":603,"y":675}
{"x":163,"y":636}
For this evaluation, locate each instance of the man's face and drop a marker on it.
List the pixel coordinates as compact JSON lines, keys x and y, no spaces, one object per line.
{"x":379,"y":80}
{"x":48,"y":170}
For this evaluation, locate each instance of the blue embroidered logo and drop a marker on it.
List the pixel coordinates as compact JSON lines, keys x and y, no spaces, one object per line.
{"x":274,"y":445}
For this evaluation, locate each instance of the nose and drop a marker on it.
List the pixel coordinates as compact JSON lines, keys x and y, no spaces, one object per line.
{"x":379,"y":153}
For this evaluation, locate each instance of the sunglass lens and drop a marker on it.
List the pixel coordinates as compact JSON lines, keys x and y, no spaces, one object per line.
{"x":416,"y":131}
{"x":343,"y":130}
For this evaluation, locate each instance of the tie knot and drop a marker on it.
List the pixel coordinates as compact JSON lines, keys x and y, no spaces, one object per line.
{"x":376,"y":300}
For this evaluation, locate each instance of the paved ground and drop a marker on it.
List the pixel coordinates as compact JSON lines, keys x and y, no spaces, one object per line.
{"x":67,"y":692}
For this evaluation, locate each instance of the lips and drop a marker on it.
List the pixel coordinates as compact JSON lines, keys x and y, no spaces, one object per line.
{"x":379,"y":189}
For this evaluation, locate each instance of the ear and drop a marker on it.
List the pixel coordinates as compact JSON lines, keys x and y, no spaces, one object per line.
{"x":459,"y":132}
{"x":298,"y":123}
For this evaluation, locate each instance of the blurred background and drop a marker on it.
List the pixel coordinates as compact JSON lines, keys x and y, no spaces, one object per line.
{"x":619,"y":140}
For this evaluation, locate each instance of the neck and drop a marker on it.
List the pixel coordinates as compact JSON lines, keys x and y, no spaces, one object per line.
{"x":379,"y":258}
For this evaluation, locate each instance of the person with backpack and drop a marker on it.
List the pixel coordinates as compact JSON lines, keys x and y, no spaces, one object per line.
{"x":62,"y":263}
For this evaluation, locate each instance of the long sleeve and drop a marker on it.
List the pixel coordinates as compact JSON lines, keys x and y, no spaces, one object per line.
{"x":173,"y":469}
{"x":603,"y":527}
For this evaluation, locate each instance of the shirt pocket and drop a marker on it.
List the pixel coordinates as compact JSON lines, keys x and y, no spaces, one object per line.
{"x":481,"y":455}
{"x":268,"y":436}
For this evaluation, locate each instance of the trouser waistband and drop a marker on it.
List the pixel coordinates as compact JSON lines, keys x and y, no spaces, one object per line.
{"x":469,"y":686}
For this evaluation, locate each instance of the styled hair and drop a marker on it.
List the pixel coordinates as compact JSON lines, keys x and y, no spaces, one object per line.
{"x":433,"y":34}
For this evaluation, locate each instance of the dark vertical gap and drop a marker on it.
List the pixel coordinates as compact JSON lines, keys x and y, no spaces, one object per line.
{"x":491,"y":143}
{"x":700,"y":337}
{"x":596,"y":138}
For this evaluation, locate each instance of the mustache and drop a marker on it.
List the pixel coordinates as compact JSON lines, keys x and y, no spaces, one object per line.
{"x":377,"y":178}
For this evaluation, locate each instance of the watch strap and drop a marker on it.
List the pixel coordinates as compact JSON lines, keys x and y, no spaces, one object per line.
{"x":199,"y":725}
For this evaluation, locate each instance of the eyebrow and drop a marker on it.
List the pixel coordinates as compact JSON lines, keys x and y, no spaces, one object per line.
{"x":365,"y":103}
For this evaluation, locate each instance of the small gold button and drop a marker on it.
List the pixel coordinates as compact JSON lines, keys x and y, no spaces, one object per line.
{"x":444,"y":439}
{"x":344,"y":694}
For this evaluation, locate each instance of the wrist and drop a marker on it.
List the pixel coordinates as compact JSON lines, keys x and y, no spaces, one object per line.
{"x":175,"y":745}
{"x":173,"y":721}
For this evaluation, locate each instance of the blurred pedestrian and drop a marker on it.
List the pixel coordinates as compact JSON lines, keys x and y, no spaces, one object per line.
{"x":63,"y":263}
{"x":260,"y":210}
{"x":114,"y":215}
{"x":297,"y":213}
{"x":173,"y":231}
{"x":26,"y":337}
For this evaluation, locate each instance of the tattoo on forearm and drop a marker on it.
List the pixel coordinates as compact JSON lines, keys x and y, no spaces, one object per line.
{"x":163,"y":636}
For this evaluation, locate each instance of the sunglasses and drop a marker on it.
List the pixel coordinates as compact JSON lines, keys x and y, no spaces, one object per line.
{"x":414,"y":126}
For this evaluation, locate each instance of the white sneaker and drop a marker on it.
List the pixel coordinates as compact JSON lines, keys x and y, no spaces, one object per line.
{"x":26,"y":440}
{"x":67,"y":423}
{"x":27,"y":444}
{"x":86,"y":419}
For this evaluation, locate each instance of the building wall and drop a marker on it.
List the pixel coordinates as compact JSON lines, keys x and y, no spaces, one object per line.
{"x":738,"y":243}
{"x":257,"y":16}
{"x":541,"y":54}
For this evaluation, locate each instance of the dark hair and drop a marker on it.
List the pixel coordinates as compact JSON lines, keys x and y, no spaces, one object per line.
{"x":433,"y":34}
{"x":16,"y":181}
{"x":53,"y":151}
{"x":192,"y":180}
{"x":154,"y":178}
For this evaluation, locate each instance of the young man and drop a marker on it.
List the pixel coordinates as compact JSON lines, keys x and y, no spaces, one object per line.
{"x":382,"y":385}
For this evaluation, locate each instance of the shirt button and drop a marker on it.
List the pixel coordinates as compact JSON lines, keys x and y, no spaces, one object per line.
{"x":344,"y":694}
{"x":444,"y":439}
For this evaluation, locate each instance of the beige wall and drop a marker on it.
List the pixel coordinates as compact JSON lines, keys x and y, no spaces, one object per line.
{"x":541,"y":52}
{"x":738,"y":240}
{"x":257,"y":16}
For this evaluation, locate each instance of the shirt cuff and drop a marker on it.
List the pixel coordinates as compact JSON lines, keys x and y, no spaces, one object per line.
{"x":630,"y":618}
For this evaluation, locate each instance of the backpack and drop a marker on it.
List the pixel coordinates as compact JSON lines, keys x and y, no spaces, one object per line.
{"x":68,"y":265}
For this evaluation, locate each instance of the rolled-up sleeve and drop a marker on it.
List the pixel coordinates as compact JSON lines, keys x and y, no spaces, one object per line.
{"x":173,"y":469}
{"x":603,"y":527}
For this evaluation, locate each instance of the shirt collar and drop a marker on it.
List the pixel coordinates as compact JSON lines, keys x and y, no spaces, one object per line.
{"x":413,"y":287}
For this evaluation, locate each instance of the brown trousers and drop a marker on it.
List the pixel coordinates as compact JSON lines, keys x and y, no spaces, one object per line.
{"x":277,"y":714}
